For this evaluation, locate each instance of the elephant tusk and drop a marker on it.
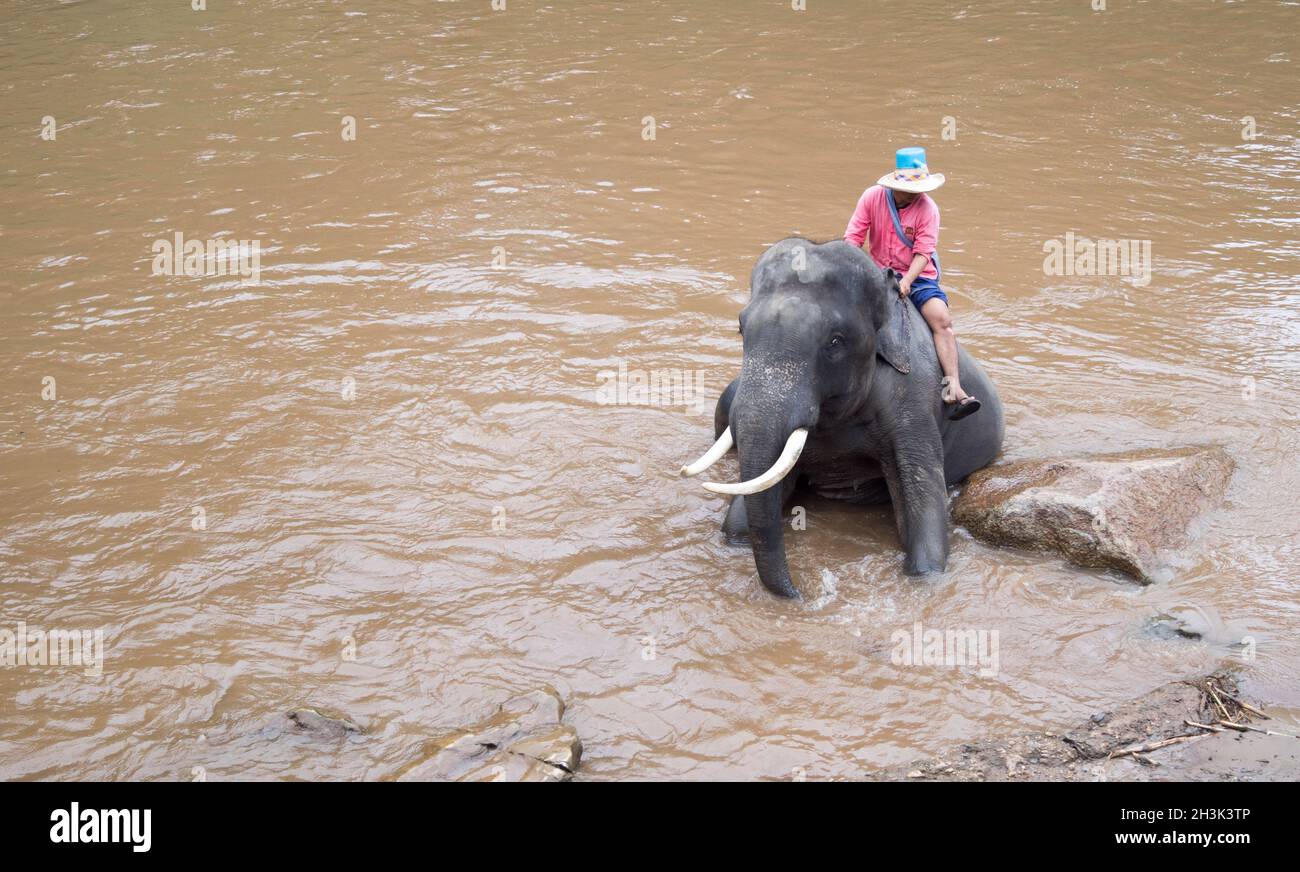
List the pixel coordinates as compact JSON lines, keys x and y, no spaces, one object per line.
{"x":779,"y":470}
{"x":712,"y":456}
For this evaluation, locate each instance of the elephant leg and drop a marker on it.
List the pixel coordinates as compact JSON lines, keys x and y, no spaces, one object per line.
{"x":735,"y":526}
{"x":920,"y":496}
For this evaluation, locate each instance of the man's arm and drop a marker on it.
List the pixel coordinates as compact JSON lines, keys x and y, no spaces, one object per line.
{"x":927,"y":239}
{"x":926,"y":234}
{"x":905,"y":283}
{"x":856,"y":232}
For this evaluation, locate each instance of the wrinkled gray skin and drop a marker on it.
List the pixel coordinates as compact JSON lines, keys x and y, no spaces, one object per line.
{"x":831,"y":346}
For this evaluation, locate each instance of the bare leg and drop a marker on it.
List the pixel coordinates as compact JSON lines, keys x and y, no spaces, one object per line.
{"x":937,"y":316}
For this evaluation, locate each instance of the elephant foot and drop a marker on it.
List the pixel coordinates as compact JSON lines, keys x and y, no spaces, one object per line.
{"x":923,"y":565}
{"x":784,"y":588}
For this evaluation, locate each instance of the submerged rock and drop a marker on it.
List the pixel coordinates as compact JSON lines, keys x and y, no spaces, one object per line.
{"x":1200,"y":623}
{"x":523,"y":741}
{"x":325,"y":726}
{"x":1163,"y":626}
{"x":1111,"y":511}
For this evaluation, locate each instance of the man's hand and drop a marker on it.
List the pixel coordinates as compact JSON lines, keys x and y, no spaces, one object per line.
{"x":905,"y":281}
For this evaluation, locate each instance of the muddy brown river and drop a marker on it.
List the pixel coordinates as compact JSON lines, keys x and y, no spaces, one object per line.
{"x":388,"y":477}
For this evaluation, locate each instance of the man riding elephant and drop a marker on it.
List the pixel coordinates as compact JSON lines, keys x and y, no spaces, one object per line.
{"x":840,"y":387}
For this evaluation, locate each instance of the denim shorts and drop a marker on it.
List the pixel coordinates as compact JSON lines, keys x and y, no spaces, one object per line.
{"x":925,"y":289}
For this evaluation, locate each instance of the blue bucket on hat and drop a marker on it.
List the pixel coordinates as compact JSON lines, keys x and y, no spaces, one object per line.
{"x":911,"y":173}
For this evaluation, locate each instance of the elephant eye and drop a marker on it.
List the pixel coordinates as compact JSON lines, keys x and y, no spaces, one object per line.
{"x":836,"y":341}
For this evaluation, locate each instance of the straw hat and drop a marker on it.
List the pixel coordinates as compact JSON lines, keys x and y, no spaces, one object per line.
{"x":911,"y":173}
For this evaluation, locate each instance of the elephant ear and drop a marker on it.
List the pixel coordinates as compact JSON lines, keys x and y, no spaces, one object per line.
{"x":893,"y":337}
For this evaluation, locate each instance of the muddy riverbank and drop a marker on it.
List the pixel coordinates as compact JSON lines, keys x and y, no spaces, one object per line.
{"x":1175,"y":733}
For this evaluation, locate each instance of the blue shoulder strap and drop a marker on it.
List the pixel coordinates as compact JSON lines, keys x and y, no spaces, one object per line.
{"x":898,"y":228}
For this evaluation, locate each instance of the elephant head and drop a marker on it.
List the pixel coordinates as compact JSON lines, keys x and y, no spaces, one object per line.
{"x":817,"y":320}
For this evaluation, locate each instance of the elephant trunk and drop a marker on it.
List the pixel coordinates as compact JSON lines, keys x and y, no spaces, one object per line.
{"x":767,"y":538}
{"x":765,"y":434}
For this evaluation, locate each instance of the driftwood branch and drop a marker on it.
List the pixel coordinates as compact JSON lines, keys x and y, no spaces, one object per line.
{"x":1229,"y":713}
{"x":1152,"y":746}
{"x":1220,"y":726}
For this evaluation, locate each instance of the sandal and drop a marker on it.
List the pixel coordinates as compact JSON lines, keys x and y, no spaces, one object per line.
{"x":968,"y":406}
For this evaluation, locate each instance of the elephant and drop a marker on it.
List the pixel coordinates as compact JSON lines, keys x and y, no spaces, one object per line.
{"x":840,"y":388}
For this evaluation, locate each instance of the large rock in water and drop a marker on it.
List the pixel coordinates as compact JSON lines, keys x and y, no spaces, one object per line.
{"x":321,"y":725}
{"x":1112,"y":511}
{"x":523,"y":741}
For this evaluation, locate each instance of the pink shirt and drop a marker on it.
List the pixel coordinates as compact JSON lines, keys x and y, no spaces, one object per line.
{"x":920,"y":220}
